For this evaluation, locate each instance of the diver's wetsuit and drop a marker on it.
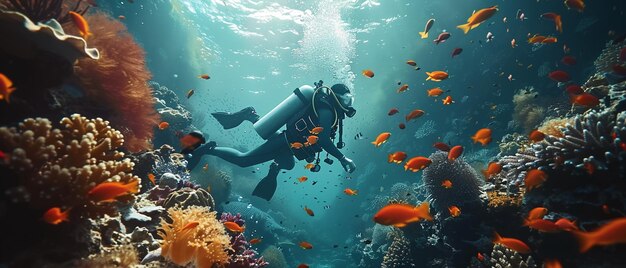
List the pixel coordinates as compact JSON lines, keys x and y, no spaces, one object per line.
{"x":276,"y":148}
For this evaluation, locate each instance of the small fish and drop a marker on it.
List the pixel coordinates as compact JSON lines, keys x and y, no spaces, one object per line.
{"x":585,"y":99}
{"x":454,"y":211}
{"x":302,"y":265}
{"x":411,"y":62}
{"x":575,"y":4}
{"x":489,"y":37}
{"x":393,"y":111}
{"x":316,"y":130}
{"x":511,"y":243}
{"x":477,"y":18}
{"x":416,"y":164}
{"x":163,"y":125}
{"x":417,"y":113}
{"x":541,"y":225}
{"x":589,"y":167}
{"x":510,"y":77}
{"x":442,"y":38}
{"x":382,"y":138}
{"x":190,"y":226}
{"x":566,"y":225}
{"x":81,"y":24}
{"x":309,"y":211}
{"x":401,"y":126}
{"x":537,"y":213}
{"x":447,"y":100}
{"x":303,"y":179}
{"x":108,"y":191}
{"x":457,"y":51}
{"x":520,"y":15}
{"x":574,"y":89}
{"x":568,"y":60}
{"x":455,"y":152}
{"x":399,"y":215}
{"x":234,"y":227}
{"x":349,"y":191}
{"x":536,"y":136}
{"x":513,"y":43}
{"x":296,"y":145}
{"x":190,"y":141}
{"x":255,"y":241}
{"x":552,"y":263}
{"x":534,"y":178}
{"x":55,"y":216}
{"x":429,"y":24}
{"x":437,"y":76}
{"x":434,"y":92}
{"x":441,"y":146}
{"x":6,"y":87}
{"x":305,"y":245}
{"x":190,"y":93}
{"x":368,"y":73}
{"x":309,"y":166}
{"x":204,"y":76}
{"x":403,"y":88}
{"x":613,"y":232}
{"x":446,"y":184}
{"x":311,"y":140}
{"x":566,"y":49}
{"x":480,"y":257}
{"x":483,"y":136}
{"x":397,"y":157}
{"x":152,"y":178}
{"x":121,"y":17}
{"x":619,"y":69}
{"x":549,"y":40}
{"x":556,"y":18}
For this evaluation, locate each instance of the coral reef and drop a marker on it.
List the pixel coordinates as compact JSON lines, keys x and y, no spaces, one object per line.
{"x":608,"y":57}
{"x":118,"y":256}
{"x":274,"y":256}
{"x":187,"y":197}
{"x":553,"y":126}
{"x":498,"y":199}
{"x":118,"y":81}
{"x":256,"y":219}
{"x":204,"y":244}
{"x":172,"y":111}
{"x":243,"y":256}
{"x":44,"y":10}
{"x":399,"y":253}
{"x":218,"y":181}
{"x":504,"y":257}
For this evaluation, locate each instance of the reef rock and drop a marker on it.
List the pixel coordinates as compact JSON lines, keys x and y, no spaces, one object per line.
{"x":187,"y":197}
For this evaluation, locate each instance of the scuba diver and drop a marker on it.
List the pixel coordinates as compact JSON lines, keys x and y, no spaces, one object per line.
{"x":306,"y":109}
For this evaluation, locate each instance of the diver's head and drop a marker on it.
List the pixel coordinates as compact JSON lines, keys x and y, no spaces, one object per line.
{"x":344,"y":98}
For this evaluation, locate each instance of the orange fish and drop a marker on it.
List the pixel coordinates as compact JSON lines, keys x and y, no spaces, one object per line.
{"x":190,"y":93}
{"x":152,"y":178}
{"x":309,"y":166}
{"x":477,"y":18}
{"x":316,"y":130}
{"x":382,"y":138}
{"x":556,"y":18}
{"x":393,"y":111}
{"x":411,"y":62}
{"x":6,"y":88}
{"x":81,"y":24}
{"x":536,"y":136}
{"x":189,"y":141}
{"x":121,"y":17}
{"x":534,"y":178}
{"x":434,"y":92}
{"x":397,"y":157}
{"x":480,"y":257}
{"x":552,"y":263}
{"x":418,"y":163}
{"x":190,"y":226}
{"x":302,"y":265}
{"x":541,"y":225}
{"x":311,"y":140}
{"x":108,"y":191}
{"x":297,"y":145}
{"x":446,"y":184}
{"x":368,"y":73}
{"x":234,"y":227}
{"x":403,"y":88}
{"x":589,"y":167}
{"x":399,"y":215}
{"x":204,"y":76}
{"x":537,"y":213}
{"x":512,"y":243}
{"x":492,"y":169}
{"x":455,"y":152}
{"x":163,"y":125}
{"x":549,"y":40}
{"x":437,"y":76}
{"x":305,"y":245}
{"x":613,"y":232}
{"x":447,"y":100}
{"x":566,"y":225}
{"x":255,"y":241}
{"x":441,"y":146}
{"x":483,"y":136}
{"x":414,"y":114}
{"x":454,"y":211}
{"x":205,"y":167}
{"x":585,"y":99}
{"x":575,"y":4}
{"x":349,"y":191}
{"x":309,"y":211}
{"x":55,"y":216}
{"x":303,"y":179}
{"x":535,"y":39}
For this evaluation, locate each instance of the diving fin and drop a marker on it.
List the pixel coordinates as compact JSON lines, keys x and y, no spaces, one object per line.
{"x":267,"y":186}
{"x":232,"y":120}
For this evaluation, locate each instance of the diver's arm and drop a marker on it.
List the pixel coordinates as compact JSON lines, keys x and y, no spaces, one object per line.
{"x":327,"y":118}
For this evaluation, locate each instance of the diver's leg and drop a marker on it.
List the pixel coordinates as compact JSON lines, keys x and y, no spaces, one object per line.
{"x":231,"y":120}
{"x":266,"y":152}
{"x":267,"y":186}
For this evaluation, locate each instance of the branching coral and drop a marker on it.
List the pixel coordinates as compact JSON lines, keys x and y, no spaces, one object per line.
{"x":43,"y":10}
{"x":504,"y":257}
{"x":553,"y":126}
{"x":243,"y":256}
{"x":187,"y":197}
{"x":204,"y":245}
{"x":399,"y":253}
{"x":58,"y":167}
{"x":497,"y":199}
{"x":118,"y":81}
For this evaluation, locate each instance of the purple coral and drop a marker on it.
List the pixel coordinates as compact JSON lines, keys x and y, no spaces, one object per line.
{"x":243,"y":256}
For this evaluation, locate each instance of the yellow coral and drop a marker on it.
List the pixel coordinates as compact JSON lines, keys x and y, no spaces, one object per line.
{"x":58,"y":167}
{"x":497,"y":199}
{"x":553,"y":126}
{"x":205,"y":245}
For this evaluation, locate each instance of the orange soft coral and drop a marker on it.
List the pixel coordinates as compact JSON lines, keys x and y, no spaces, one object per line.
{"x":553,"y":126}
{"x":194,"y":236}
{"x":118,"y":81}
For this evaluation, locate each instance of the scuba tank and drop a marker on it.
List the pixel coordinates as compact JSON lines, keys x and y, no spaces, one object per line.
{"x":298,"y":101}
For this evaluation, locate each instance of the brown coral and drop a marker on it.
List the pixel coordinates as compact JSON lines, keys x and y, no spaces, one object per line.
{"x":118,"y":80}
{"x":58,"y":167}
{"x":497,"y":199}
{"x":205,"y":245}
{"x":553,"y":126}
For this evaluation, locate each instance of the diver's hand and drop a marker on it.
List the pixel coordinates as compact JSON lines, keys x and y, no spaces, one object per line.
{"x":347,"y":164}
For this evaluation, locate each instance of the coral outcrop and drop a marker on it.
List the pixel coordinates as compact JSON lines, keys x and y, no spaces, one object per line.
{"x":243,"y":256}
{"x":274,"y":257}
{"x":170,"y":110}
{"x":504,"y":257}
{"x":187,"y":197}
{"x":399,"y":253}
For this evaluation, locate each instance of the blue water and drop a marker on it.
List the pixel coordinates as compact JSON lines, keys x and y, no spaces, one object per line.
{"x":257,"y":52}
